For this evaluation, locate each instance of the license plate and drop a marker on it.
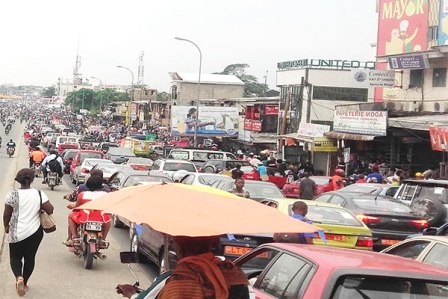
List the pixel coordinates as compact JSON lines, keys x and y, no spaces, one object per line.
{"x":389,"y":242}
{"x":338,"y":238}
{"x":94,"y":226}
{"x":235,"y":250}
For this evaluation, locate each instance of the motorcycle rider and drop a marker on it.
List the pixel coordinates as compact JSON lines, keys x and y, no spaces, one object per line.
{"x":11,"y":144}
{"x":37,"y":155}
{"x":46,"y":167}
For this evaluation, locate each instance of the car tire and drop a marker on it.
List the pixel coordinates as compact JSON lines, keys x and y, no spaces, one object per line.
{"x":117,"y":223}
{"x":433,"y":210}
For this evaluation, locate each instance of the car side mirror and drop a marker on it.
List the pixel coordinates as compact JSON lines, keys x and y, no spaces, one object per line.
{"x":430,"y":231}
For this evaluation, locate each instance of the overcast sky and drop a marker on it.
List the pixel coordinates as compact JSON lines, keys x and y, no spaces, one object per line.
{"x":39,"y":38}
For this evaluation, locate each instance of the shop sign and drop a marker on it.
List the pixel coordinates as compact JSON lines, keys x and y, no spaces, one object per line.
{"x":372,"y":78}
{"x":271,"y":110}
{"x":439,"y":138}
{"x":443,"y":21}
{"x":252,"y":125}
{"x":360,"y":122}
{"x":324,"y":144}
{"x":325,"y":63}
{"x":312,"y":130}
{"x":414,"y":62}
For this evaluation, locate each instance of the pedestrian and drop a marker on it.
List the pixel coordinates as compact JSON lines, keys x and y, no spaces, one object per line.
{"x":307,"y":187}
{"x":239,"y":189}
{"x":299,"y":209}
{"x":22,"y":224}
{"x":198,"y":274}
{"x":237,"y":172}
{"x":375,"y":176}
{"x":307,"y":167}
{"x":263,"y":171}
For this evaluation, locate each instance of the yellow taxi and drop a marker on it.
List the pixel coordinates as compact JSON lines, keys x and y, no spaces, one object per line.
{"x":341,"y":227}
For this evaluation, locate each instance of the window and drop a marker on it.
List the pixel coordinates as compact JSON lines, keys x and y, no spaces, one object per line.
{"x":438,"y":256}
{"x":337,"y":200}
{"x":410,"y":249}
{"x":285,"y":276}
{"x":433,"y":33}
{"x":179,"y":155}
{"x":340,"y":94}
{"x":391,"y":191}
{"x":439,"y":77}
{"x":324,"y":198}
{"x":416,"y":78}
{"x":179,"y":166}
{"x":258,"y":261}
{"x":156,"y":165}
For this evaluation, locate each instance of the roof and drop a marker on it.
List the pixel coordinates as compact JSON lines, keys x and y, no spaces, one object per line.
{"x":331,"y":257}
{"x":206,"y":78}
{"x":348,"y":136}
{"x":421,"y":123}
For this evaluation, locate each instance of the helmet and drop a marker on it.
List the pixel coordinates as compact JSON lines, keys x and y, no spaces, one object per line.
{"x":340,"y":172}
{"x":53,"y":152}
{"x":419,"y":174}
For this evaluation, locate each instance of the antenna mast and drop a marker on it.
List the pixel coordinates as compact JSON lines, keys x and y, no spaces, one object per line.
{"x":141,"y":69}
{"x":77,"y":78}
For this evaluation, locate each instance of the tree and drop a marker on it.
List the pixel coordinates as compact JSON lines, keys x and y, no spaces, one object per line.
{"x":48,"y":92}
{"x":252,"y":88}
{"x":163,"y":96}
{"x":91,"y":100}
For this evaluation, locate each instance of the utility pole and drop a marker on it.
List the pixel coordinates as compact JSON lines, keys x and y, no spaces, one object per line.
{"x":284,"y":120}
{"x":299,"y":106}
{"x":308,"y":106}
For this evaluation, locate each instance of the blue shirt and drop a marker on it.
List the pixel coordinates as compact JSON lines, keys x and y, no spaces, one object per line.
{"x":301,"y":218}
{"x":262,"y":170}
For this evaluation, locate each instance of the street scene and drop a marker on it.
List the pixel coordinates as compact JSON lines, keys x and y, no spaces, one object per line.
{"x":213,"y":163}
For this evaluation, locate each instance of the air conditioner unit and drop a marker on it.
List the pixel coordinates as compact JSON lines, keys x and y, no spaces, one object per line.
{"x":440,"y":107}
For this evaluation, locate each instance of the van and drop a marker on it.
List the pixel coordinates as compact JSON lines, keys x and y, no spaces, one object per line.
{"x":66,"y":139}
{"x":199,"y":155}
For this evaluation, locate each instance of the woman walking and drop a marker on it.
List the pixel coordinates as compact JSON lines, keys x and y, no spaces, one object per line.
{"x":22,"y":224}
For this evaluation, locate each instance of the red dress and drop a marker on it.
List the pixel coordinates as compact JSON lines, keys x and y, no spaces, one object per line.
{"x":80,"y":216}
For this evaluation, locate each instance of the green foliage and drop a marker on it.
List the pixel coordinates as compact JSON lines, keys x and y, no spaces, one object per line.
{"x":90,"y":100}
{"x":252,"y":88}
{"x":48,"y":92}
{"x":163,"y":96}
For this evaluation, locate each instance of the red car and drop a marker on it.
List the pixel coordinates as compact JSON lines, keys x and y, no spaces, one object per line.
{"x":63,"y":146}
{"x":291,"y":190}
{"x":306,"y":271}
{"x":83,"y":154}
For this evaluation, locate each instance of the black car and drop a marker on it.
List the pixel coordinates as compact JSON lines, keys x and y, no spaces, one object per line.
{"x":67,"y":156}
{"x":258,"y":190}
{"x":389,"y":220}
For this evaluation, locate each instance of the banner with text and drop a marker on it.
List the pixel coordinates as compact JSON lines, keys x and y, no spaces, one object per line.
{"x":372,"y":78}
{"x":361,"y":122}
{"x":312,"y":130}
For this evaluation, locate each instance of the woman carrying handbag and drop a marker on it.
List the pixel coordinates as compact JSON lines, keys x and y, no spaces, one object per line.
{"x":22,"y":221}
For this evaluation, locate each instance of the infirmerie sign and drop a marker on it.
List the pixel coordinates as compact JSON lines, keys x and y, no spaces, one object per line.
{"x":326,"y":63}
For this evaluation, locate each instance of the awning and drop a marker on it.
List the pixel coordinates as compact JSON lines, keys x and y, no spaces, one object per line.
{"x":348,"y":136}
{"x":297,"y":137}
{"x":421,"y":123}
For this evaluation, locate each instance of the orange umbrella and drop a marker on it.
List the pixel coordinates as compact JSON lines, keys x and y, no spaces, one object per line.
{"x":183,"y":210}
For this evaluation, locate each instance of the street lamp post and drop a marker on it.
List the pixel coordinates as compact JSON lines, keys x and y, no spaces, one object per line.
{"x":101,"y":96}
{"x":132,"y":91}
{"x":199,"y":88}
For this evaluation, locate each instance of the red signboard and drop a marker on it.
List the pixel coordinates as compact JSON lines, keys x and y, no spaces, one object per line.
{"x":252,"y":125}
{"x":271,"y":110}
{"x":402,"y":28}
{"x":439,"y":138}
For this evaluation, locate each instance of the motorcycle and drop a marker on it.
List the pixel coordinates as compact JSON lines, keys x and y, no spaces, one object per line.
{"x":53,"y":179}
{"x":89,"y":243}
{"x":37,"y":168}
{"x":10,"y":151}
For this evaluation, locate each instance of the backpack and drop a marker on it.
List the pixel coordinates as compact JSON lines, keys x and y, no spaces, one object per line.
{"x":54,"y":165}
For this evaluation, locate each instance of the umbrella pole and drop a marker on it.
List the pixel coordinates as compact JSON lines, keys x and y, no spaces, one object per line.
{"x":165,"y":252}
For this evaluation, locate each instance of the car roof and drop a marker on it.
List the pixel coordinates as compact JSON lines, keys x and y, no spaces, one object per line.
{"x":252,"y":182}
{"x":427,"y":182}
{"x":102,"y":161}
{"x":443,"y":239}
{"x":308,"y":202}
{"x":333,"y":258}
{"x":90,"y":151}
{"x":358,"y":195}
{"x":176,"y":161}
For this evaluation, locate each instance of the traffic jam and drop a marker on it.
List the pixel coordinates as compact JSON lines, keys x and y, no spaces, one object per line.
{"x":365,"y":232}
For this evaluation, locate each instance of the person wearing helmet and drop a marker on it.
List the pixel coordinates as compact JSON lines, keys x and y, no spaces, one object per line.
{"x":338,"y":179}
{"x":48,"y":163}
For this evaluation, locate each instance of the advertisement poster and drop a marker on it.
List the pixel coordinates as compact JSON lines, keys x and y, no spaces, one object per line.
{"x":372,"y":78}
{"x":209,"y":120}
{"x":402,"y":28}
{"x":312,"y":130}
{"x":439,"y":138}
{"x":361,"y":122}
{"x":443,"y":27}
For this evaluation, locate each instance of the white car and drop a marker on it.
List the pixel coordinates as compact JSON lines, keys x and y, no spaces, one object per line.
{"x":80,"y":172}
{"x":167,"y":167}
{"x":203,"y":179}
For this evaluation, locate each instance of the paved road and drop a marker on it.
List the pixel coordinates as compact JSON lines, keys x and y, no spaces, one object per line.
{"x":59,"y":273}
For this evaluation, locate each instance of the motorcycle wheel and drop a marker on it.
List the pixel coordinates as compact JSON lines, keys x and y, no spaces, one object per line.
{"x":89,"y":255}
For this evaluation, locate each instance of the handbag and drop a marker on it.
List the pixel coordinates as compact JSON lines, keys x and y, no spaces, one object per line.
{"x":46,"y":221}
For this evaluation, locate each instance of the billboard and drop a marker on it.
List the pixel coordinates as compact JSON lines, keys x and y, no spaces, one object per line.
{"x":312,"y":130}
{"x":402,"y":28}
{"x":209,"y":120}
{"x":439,"y":138}
{"x":372,"y":78}
{"x":360,"y":122}
{"x":443,"y":23}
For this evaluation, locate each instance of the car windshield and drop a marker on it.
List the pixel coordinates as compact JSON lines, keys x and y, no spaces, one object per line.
{"x":89,"y":155}
{"x":139,"y":179}
{"x":330,"y":215}
{"x":363,"y":287}
{"x":210,"y":179}
{"x":261,"y":190}
{"x":170,"y":166}
{"x":141,"y":161}
{"x":383,"y":205}
{"x":69,"y":155}
{"x":432,"y":192}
